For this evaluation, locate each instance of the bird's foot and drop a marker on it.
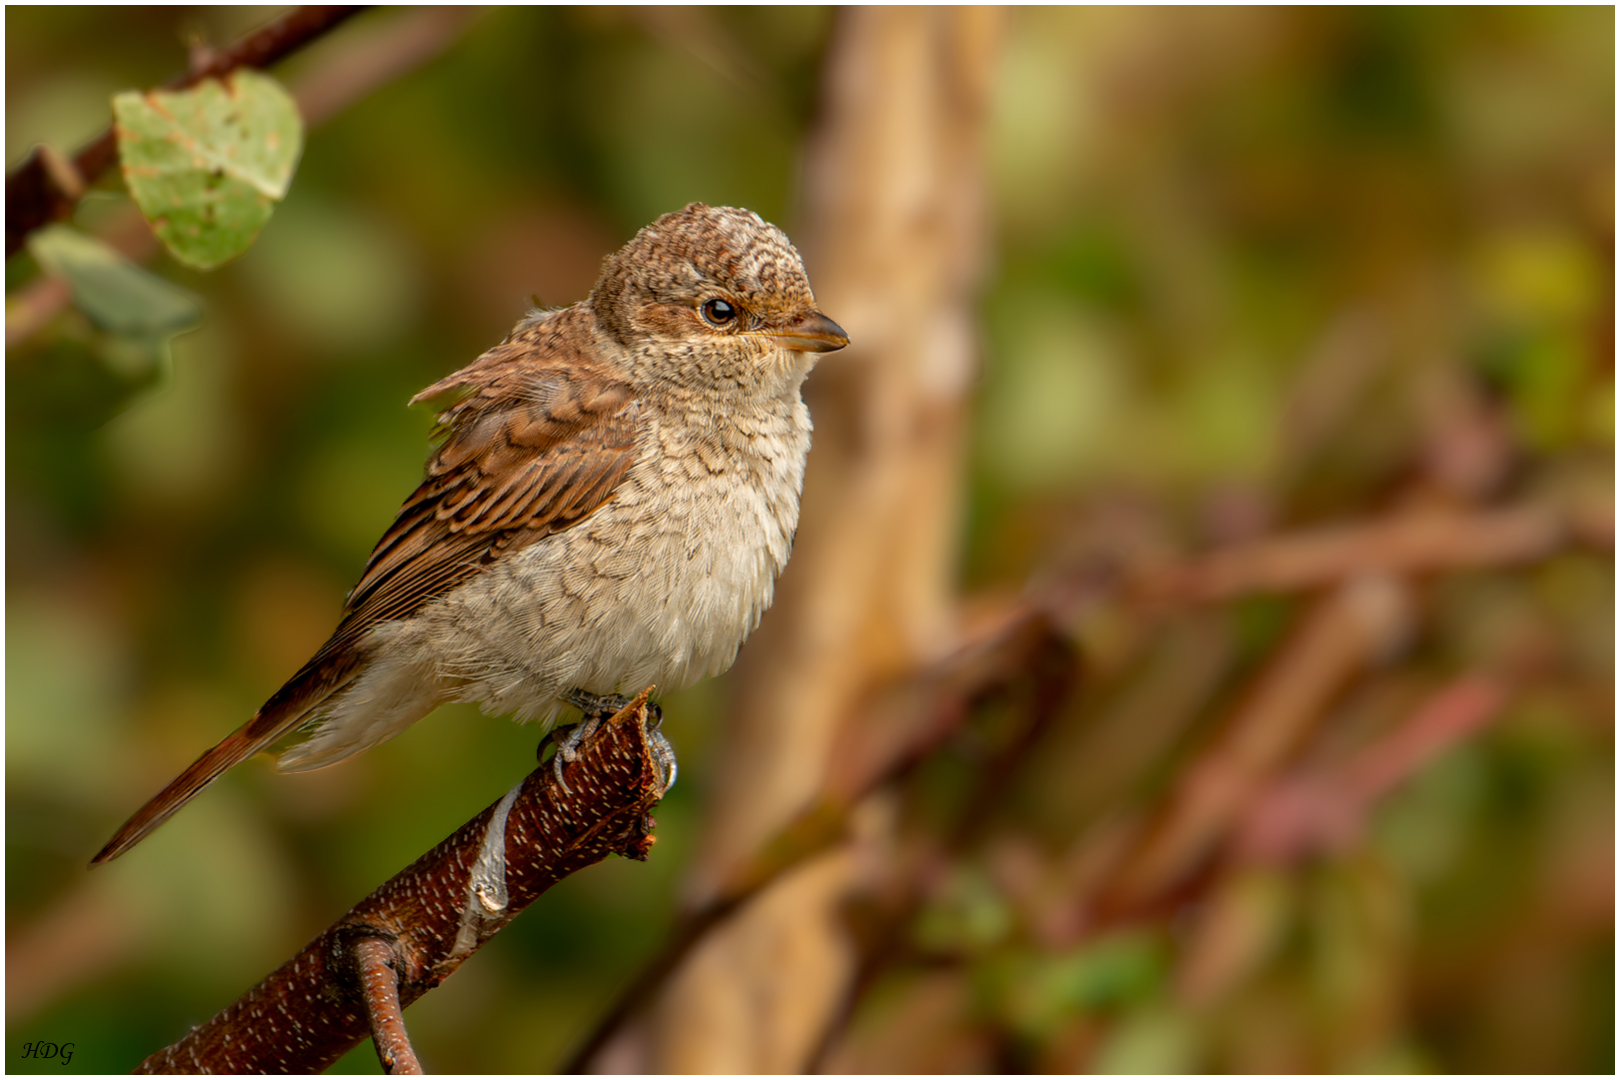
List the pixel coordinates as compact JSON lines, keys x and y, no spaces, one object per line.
{"x":597,"y":708}
{"x":568,"y":749}
{"x":601,"y":706}
{"x":664,"y":754}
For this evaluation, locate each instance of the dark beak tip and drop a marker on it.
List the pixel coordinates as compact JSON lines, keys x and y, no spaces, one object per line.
{"x":836,"y":333}
{"x":813,"y":332}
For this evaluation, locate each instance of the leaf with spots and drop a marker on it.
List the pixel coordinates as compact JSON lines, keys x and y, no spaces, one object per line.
{"x":208,"y":165}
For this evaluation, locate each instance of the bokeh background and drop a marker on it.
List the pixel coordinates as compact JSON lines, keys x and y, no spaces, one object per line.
{"x":1248,"y":273}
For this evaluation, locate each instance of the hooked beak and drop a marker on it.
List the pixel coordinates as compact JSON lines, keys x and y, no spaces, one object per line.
{"x":810,"y":332}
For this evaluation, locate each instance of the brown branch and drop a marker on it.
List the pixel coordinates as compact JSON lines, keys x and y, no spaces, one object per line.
{"x":1323,"y":809}
{"x":373,"y":57}
{"x":1338,"y":636}
{"x":442,"y":908}
{"x":880,"y":919}
{"x":33,"y":305}
{"x":879,"y":746}
{"x":1405,"y":542}
{"x":44,"y":189}
{"x":1313,"y":811}
{"x":379,"y":985}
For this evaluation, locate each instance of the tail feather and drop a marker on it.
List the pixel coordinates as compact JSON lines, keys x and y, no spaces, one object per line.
{"x":286,"y":710}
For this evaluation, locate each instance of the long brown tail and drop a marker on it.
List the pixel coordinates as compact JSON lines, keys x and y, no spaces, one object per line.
{"x":288,"y":708}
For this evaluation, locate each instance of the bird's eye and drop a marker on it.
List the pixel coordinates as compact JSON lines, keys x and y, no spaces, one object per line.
{"x":719,"y":312}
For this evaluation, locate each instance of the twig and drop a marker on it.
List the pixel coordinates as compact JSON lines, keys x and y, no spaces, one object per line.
{"x":35,"y":197}
{"x":1407,"y":542}
{"x":33,"y":305}
{"x":379,"y":985}
{"x":373,"y":57}
{"x":442,"y":908}
{"x":1314,"y":810}
{"x":1339,"y":635}
{"x":1048,"y":682}
{"x":1322,"y":809}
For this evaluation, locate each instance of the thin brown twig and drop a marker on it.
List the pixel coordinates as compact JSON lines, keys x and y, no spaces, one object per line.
{"x":1169,"y":860}
{"x":1321,"y":809}
{"x":375,"y":56}
{"x":442,"y":908}
{"x":1046,"y":688}
{"x":33,"y":305}
{"x":379,"y":985}
{"x":34,"y":194}
{"x":1404,"y":542}
{"x":1339,"y":635}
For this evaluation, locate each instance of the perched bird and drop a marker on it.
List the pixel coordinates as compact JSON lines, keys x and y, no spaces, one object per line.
{"x":615,"y":492}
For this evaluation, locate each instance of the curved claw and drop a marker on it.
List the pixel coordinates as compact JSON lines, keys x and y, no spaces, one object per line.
{"x":665,"y":756}
{"x":568,"y":749}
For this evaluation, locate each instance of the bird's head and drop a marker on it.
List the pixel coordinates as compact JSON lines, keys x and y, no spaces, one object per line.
{"x":716,"y":297}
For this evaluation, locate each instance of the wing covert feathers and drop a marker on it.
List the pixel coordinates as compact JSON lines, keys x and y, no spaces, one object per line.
{"x":539,"y":441}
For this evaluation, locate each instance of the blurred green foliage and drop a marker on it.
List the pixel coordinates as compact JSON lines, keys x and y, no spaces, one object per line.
{"x":1190,"y":210}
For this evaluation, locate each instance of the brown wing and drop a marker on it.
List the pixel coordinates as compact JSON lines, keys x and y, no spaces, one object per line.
{"x":524,"y":456}
{"x":541,"y":440}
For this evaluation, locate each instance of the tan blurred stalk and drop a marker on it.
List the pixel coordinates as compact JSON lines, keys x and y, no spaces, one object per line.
{"x":894,"y":236}
{"x":1342,"y":633}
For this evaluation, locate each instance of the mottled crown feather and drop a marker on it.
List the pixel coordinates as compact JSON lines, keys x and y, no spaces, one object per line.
{"x":676,"y":257}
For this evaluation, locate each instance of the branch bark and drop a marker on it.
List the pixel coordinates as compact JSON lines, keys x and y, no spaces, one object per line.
{"x":437,"y":912}
{"x":46,"y":187}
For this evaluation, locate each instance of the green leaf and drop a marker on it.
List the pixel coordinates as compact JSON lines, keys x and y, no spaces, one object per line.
{"x":207,"y":165}
{"x":136,"y":315}
{"x":119,"y":296}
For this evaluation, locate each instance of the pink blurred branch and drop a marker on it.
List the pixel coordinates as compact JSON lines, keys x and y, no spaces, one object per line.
{"x":1324,"y":810}
{"x":1418,"y":541}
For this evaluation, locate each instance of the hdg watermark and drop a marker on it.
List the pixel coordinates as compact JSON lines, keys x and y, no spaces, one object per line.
{"x":43,"y":1049}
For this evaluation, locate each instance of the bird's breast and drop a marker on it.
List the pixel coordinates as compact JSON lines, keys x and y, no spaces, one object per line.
{"x":658,"y":586}
{"x":727,"y":499}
